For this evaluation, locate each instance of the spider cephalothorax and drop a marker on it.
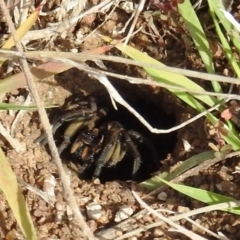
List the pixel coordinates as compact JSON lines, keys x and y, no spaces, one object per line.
{"x":95,"y":142}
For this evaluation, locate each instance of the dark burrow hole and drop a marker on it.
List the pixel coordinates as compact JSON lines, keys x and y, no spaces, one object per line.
{"x":151,"y":109}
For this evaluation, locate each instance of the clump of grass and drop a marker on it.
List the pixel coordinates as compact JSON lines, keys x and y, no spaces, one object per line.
{"x":200,"y":99}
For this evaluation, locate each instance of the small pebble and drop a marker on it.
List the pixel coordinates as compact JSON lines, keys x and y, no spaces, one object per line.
{"x":162,"y":196}
{"x":94,"y":210}
{"x":123,"y":213}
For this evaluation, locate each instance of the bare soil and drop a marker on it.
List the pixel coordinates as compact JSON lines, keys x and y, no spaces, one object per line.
{"x":34,"y":165}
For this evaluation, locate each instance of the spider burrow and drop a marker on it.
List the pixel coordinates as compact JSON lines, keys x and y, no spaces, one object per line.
{"x":96,"y":142}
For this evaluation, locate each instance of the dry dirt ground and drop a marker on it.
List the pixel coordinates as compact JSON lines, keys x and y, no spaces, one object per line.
{"x":34,"y":166}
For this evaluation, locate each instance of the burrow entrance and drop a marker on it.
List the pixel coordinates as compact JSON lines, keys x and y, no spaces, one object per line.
{"x":139,"y":99}
{"x":152,"y":107}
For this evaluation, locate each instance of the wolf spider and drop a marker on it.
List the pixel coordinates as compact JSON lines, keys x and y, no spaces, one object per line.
{"x":96,"y":144}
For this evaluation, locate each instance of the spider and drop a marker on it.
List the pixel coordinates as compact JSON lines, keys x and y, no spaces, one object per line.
{"x":96,"y":143}
{"x":105,"y":146}
{"x":79,"y":114}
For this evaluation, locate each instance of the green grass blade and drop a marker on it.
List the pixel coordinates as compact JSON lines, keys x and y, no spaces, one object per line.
{"x":215,"y":6}
{"x":13,"y":194}
{"x":199,"y":37}
{"x":225,"y":44}
{"x":170,"y":78}
{"x":182,"y":81}
{"x":191,"y":162}
{"x":203,"y":195}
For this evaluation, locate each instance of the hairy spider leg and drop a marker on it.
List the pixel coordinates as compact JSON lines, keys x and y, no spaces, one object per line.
{"x":119,"y":152}
{"x":108,"y":149}
{"x":115,"y":158}
{"x":143,"y":140}
{"x":86,"y":102}
{"x":136,"y":155}
{"x":86,"y":165}
{"x":89,"y":107}
{"x":81,"y":115}
{"x":71,"y":130}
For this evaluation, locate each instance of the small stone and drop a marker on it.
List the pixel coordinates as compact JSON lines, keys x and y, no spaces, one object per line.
{"x":74,"y":50}
{"x":162,"y":196}
{"x":96,"y":181}
{"x":94,"y":210}
{"x":123,"y":213}
{"x":158,"y":232}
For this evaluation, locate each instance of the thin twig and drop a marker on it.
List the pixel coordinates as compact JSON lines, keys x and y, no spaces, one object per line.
{"x":100,"y":25}
{"x":118,"y":98}
{"x":195,"y":170}
{"x":136,"y":13}
{"x":115,"y":96}
{"x":134,"y":80}
{"x":179,"y":228}
{"x":177,"y":217}
{"x":68,"y":193}
{"x":192,"y":221}
{"x":81,"y":57}
{"x":106,"y":233}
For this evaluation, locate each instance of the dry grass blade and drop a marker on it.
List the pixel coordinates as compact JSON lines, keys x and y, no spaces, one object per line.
{"x":170,"y":220}
{"x":23,"y":29}
{"x":115,"y":96}
{"x":93,"y":54}
{"x":63,"y":26}
{"x":177,"y":227}
{"x":13,"y":142}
